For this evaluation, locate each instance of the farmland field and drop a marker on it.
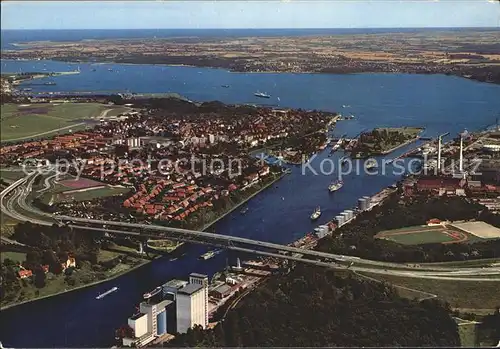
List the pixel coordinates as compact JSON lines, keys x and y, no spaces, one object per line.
{"x":20,"y":122}
{"x":427,"y":234}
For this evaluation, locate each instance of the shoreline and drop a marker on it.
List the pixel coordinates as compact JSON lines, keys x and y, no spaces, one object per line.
{"x":94,"y":283}
{"x":334,"y":71}
{"x":145,"y":262}
{"x":408,"y":142}
{"x":208,"y":225}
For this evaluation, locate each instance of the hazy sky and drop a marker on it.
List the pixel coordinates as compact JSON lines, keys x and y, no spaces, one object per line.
{"x":248,"y":14}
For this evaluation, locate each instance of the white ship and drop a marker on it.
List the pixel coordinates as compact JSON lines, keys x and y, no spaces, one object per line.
{"x":315,"y":215}
{"x":150,"y":294}
{"x":261,"y":95}
{"x":102,"y":295}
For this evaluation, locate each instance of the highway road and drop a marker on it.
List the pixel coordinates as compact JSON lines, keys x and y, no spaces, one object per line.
{"x":20,"y":189}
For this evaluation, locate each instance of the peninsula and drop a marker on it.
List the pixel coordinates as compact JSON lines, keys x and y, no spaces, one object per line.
{"x":472,"y":53}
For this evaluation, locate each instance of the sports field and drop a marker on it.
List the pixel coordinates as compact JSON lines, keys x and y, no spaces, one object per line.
{"x":426,"y":235}
{"x":22,"y":121}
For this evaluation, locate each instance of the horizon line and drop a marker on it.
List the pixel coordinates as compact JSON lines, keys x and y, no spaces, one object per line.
{"x":263,"y":28}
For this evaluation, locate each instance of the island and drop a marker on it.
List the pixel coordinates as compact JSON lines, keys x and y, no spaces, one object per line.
{"x":381,"y":141}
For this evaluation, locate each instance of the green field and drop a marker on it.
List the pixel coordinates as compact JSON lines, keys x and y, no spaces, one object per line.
{"x":425,"y":235}
{"x":14,"y":256}
{"x":420,"y":238}
{"x":12,"y":176}
{"x":469,"y":295}
{"x":60,"y":196}
{"x":44,"y":119}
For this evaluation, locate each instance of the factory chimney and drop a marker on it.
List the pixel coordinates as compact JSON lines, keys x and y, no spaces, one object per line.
{"x":439,"y":154}
{"x":461,"y":164}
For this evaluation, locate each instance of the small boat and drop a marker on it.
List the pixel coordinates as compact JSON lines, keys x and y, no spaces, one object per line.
{"x":315,"y":215}
{"x":334,"y":186}
{"x":225,"y":86}
{"x":208,"y":255}
{"x":102,"y":295}
{"x":261,"y":95}
{"x":245,"y":210}
{"x":150,"y":294}
{"x":343,"y":160}
{"x":370,"y":164}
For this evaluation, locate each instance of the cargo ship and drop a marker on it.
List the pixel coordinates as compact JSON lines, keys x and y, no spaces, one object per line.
{"x":102,"y":295}
{"x":336,"y":185}
{"x":315,"y":215}
{"x":261,"y":95}
{"x":150,"y":294}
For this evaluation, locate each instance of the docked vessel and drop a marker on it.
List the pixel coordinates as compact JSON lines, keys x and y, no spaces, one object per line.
{"x":261,"y":95}
{"x":102,"y":295}
{"x":315,"y":215}
{"x":150,"y":294}
{"x":336,"y":185}
{"x":337,"y":145}
{"x":370,"y":164}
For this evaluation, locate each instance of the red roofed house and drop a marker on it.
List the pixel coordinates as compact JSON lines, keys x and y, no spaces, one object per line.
{"x":433,"y":221}
{"x":23,"y":274}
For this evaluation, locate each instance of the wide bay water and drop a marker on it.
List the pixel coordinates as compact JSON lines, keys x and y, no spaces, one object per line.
{"x":281,"y":213}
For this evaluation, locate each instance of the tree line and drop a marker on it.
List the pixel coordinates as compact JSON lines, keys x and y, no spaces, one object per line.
{"x":313,"y":307}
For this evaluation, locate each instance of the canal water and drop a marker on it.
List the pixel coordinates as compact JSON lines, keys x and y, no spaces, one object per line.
{"x":279,"y":214}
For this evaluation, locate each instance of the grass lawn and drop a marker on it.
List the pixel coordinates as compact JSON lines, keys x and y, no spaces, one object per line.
{"x":60,"y":196}
{"x":420,"y":238}
{"x":468,"y":334}
{"x":95,"y":193}
{"x":24,"y":122}
{"x":105,"y":255}
{"x":424,"y":235}
{"x":12,"y":176}
{"x":14,"y":256}
{"x":7,"y":225}
{"x":460,"y":294}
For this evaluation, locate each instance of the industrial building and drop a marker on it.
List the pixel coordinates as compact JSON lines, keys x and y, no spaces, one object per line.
{"x":179,"y":306}
{"x":192,"y":303}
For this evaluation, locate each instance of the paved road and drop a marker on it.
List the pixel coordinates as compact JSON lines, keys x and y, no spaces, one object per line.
{"x":21,"y":188}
